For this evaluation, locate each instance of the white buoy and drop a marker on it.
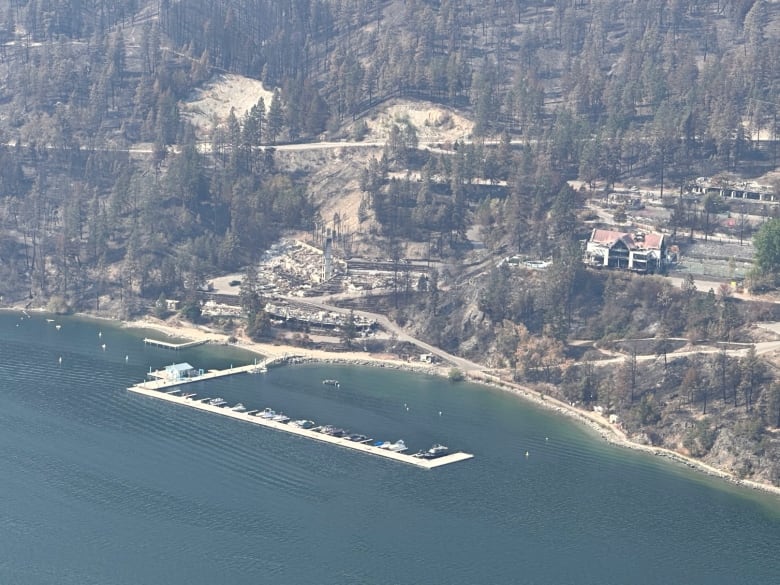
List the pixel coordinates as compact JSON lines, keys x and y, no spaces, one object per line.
{"x":127,"y":358}
{"x":440,"y":413}
{"x":100,"y":334}
{"x":526,"y":453}
{"x":104,"y":347}
{"x":60,"y":360}
{"x":547,"y":438}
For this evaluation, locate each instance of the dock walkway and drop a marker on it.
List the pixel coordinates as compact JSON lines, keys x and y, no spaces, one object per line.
{"x":162,"y":381}
{"x":169,"y":345}
{"x":154,"y":389}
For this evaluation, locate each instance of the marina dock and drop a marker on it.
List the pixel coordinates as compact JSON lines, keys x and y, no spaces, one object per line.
{"x":169,"y":345}
{"x":156,"y":389}
{"x":161,"y":381}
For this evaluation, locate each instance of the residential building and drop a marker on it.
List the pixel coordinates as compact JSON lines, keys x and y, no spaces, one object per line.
{"x":639,"y":252}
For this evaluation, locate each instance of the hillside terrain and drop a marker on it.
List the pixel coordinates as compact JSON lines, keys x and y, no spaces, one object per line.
{"x":151,"y":146}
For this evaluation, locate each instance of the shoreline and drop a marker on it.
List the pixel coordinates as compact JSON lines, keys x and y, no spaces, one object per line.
{"x":616,"y":436}
{"x":594,"y":421}
{"x":276,"y":350}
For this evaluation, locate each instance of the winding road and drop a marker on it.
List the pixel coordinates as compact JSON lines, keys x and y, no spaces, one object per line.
{"x":394,"y":329}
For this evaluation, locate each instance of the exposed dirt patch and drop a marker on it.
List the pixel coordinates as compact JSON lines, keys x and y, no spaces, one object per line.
{"x":433,"y":123}
{"x":215,"y":100}
{"x":332,"y":174}
{"x":332,"y":180}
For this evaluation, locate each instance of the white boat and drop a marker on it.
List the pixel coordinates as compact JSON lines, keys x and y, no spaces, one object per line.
{"x":280,"y":417}
{"x":303,"y":424}
{"x":432,"y":453}
{"x":238,"y":408}
{"x":217,"y":401}
{"x":398,"y":447}
{"x":332,"y":431}
{"x":266,"y":413}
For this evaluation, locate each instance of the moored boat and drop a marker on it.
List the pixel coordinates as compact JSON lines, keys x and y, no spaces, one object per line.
{"x":303,"y":424}
{"x":432,"y":453}
{"x":398,"y":447}
{"x":333,"y":431}
{"x":238,"y":408}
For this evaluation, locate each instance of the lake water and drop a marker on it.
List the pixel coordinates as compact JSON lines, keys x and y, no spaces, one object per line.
{"x":103,"y":486}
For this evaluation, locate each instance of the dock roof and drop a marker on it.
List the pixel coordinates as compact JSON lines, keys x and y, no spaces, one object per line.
{"x":182,"y":367}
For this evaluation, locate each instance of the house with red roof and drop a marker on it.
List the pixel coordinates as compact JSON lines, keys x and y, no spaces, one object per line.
{"x":639,"y":252}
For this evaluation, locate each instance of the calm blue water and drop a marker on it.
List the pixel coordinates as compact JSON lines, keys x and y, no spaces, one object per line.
{"x":102,"y":486}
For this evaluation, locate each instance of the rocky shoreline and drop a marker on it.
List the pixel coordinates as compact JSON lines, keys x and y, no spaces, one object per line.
{"x":605,"y":430}
{"x":616,"y":436}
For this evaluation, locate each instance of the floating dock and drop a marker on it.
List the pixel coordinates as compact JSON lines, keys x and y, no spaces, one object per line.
{"x":162,"y":381}
{"x":169,"y":345}
{"x":155,"y":389}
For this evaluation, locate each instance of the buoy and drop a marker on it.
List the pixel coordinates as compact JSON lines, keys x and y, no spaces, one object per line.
{"x":440,"y":413}
{"x":104,"y":347}
{"x":526,"y":453}
{"x":547,"y":438}
{"x":60,"y":360}
{"x":127,"y":358}
{"x":100,"y":334}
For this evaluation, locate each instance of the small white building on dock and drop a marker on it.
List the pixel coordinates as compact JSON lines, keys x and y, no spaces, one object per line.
{"x":179,"y":371}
